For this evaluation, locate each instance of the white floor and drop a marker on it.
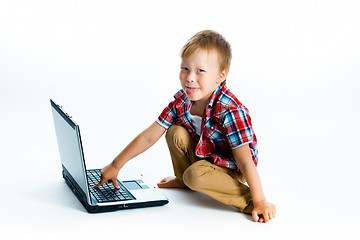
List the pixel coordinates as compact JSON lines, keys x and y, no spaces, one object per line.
{"x":299,"y":77}
{"x":311,"y":179}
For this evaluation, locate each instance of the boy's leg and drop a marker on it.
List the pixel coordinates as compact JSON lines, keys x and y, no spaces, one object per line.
{"x":182,"y":151}
{"x":220,"y":183}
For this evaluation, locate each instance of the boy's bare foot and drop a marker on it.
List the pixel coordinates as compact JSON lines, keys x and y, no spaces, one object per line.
{"x":169,"y":182}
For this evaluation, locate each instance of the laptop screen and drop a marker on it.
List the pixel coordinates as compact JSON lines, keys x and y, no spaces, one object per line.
{"x":69,"y":143}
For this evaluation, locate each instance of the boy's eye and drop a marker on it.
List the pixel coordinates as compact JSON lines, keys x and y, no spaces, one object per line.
{"x":184,"y":68}
{"x":201,"y":70}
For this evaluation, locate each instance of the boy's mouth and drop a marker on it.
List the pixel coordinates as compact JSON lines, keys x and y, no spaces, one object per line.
{"x":191,"y":90}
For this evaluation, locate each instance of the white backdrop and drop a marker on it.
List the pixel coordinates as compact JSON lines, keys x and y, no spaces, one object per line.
{"x":114,"y":66}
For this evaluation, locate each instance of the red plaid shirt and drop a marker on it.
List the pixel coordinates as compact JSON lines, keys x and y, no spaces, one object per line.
{"x":226,"y":125}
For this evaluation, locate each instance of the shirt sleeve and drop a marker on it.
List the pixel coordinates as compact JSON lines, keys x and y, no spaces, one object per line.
{"x":168,"y":116}
{"x":238,"y":128}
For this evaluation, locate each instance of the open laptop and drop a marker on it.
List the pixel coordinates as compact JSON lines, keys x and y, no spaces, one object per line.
{"x":133,"y":192}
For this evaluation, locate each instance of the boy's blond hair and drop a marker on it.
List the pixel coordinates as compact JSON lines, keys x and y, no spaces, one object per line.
{"x":209,"y":40}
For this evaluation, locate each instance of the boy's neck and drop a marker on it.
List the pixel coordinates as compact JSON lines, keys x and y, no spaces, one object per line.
{"x":198,"y":107}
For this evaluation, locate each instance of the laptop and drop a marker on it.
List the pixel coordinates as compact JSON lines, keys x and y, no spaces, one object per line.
{"x":133,"y":192}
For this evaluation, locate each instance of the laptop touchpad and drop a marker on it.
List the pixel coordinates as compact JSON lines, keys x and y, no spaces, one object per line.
{"x":132,"y":185}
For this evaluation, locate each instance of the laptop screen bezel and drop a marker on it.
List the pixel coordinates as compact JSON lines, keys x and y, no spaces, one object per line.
{"x":76,"y":128}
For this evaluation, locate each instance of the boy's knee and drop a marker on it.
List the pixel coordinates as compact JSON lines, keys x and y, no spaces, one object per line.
{"x":175,"y":135}
{"x":170,"y":132}
{"x":195,"y":176}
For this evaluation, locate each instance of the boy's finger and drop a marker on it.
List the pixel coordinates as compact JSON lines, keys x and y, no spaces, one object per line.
{"x":99,"y":184}
{"x":255,"y":216}
{"x":272,"y":215}
{"x":116,"y":185}
{"x":266,"y":217}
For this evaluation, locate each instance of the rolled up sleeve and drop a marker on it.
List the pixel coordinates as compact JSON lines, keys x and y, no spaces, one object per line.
{"x":168,"y":116}
{"x":238,"y":128}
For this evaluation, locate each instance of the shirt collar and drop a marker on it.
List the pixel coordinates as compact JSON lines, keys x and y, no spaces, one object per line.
{"x":216,"y":93}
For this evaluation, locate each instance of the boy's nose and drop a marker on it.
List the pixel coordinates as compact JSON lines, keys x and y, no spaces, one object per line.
{"x":190,"y":78}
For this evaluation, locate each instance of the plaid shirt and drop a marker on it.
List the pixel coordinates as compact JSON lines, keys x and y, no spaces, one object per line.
{"x":226,"y":125}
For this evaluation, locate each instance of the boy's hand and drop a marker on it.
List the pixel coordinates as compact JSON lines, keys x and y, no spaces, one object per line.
{"x":108,"y":175}
{"x":263,"y":211}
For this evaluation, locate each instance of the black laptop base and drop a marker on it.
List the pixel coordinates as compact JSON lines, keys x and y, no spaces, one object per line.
{"x":81,"y":196}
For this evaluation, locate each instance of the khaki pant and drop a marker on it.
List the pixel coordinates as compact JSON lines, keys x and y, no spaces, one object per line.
{"x":220,"y":183}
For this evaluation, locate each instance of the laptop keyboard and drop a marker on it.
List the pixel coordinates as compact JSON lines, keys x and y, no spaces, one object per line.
{"x":107,"y":192}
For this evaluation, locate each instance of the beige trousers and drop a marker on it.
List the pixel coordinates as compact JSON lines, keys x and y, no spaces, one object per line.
{"x":220,"y":183}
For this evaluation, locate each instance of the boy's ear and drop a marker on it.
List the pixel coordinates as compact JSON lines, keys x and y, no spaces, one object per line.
{"x":222,"y":76}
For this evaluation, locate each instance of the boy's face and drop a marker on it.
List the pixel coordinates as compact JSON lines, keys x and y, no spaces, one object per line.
{"x":200,"y":75}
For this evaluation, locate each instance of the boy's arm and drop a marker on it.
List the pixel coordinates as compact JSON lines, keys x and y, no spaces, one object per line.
{"x":247,"y":167}
{"x":139,"y":145}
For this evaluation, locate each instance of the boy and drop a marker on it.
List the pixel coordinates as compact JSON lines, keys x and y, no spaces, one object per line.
{"x":209,"y":133}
